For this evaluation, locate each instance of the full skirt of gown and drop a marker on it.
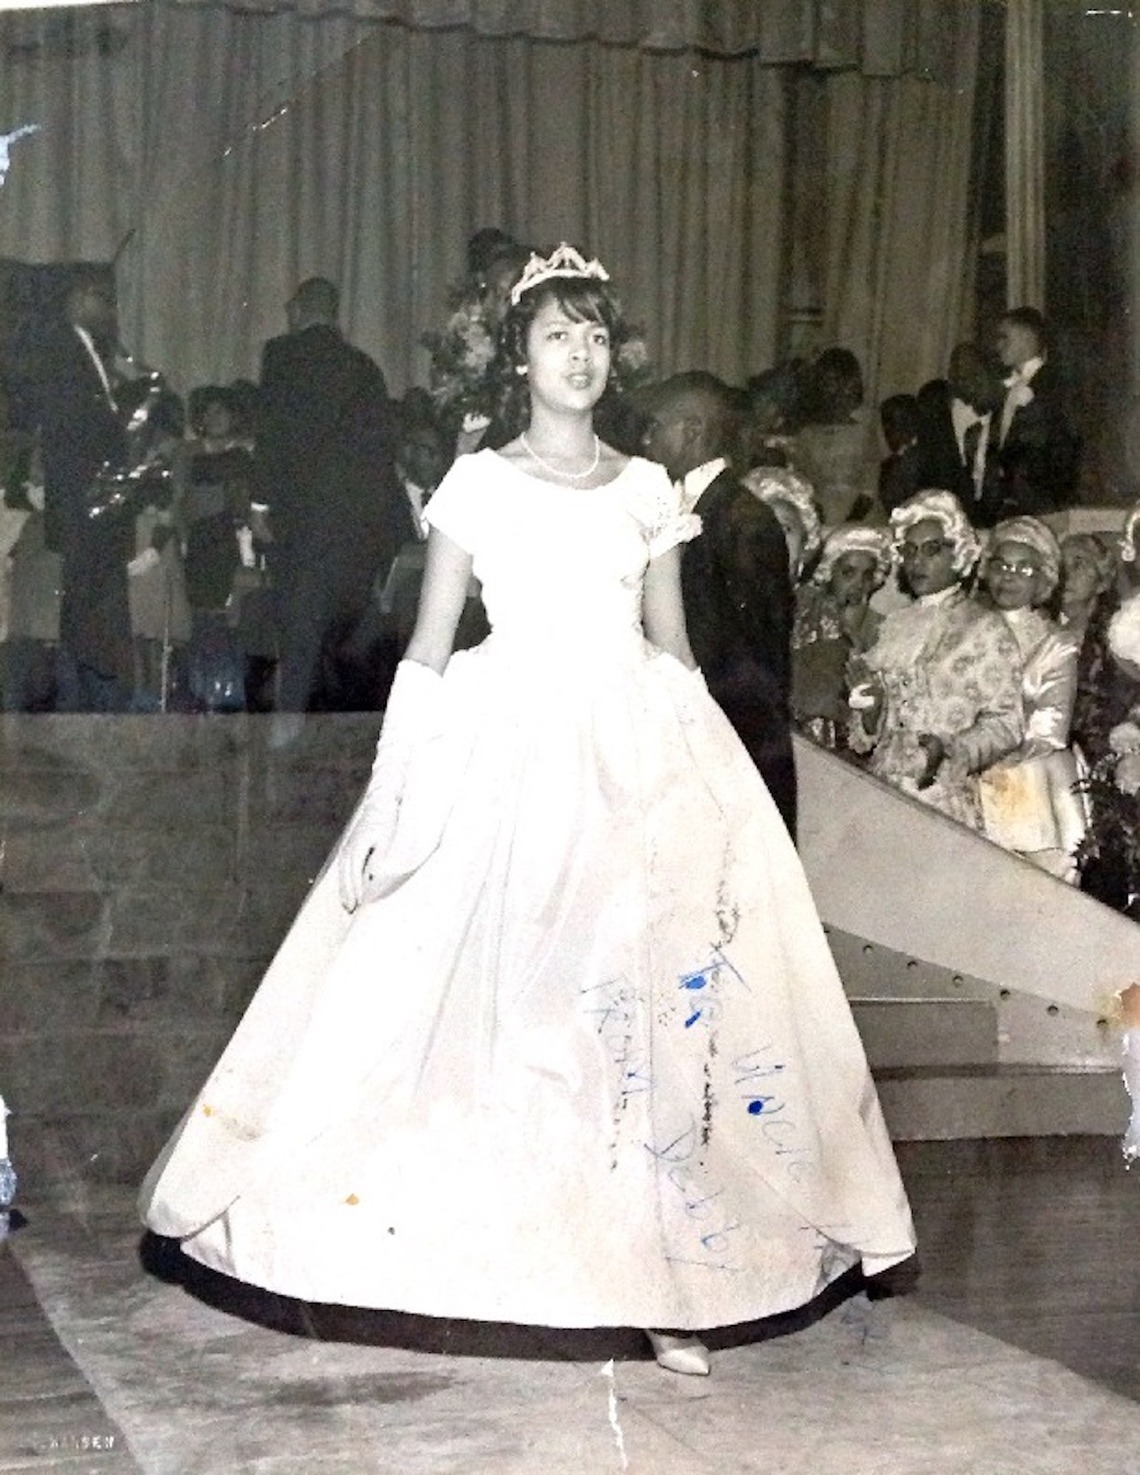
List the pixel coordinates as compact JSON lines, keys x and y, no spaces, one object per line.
{"x":590,"y":1063}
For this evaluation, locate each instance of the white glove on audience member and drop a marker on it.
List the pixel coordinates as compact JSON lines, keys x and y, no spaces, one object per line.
{"x":368,"y":864}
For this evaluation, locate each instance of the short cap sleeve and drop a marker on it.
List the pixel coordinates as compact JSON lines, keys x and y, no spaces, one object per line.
{"x":655,"y":504}
{"x":457,"y":506}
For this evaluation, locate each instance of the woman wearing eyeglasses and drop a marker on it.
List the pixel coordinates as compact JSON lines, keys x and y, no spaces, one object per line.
{"x":937,"y":698}
{"x":1028,"y":801}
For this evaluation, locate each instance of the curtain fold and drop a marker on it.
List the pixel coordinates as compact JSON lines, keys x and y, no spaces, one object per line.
{"x":369,"y":154}
{"x":1025,"y":153}
{"x":898,"y":278}
{"x":881,"y":37}
{"x":223,"y":155}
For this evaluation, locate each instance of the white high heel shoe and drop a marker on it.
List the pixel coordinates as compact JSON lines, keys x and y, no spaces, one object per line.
{"x":677,"y":1354}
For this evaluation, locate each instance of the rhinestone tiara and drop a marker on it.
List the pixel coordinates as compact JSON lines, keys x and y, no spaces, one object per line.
{"x":563,"y":262}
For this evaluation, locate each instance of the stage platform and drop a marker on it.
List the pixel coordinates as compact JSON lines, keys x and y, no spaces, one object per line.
{"x":1015,"y":1354}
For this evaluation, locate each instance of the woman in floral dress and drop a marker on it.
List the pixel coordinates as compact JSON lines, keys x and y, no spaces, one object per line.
{"x":938,"y":696}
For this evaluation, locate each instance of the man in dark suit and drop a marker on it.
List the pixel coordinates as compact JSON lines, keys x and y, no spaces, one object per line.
{"x":957,"y":434}
{"x":337,"y":512}
{"x":80,"y":429}
{"x":735,"y":579}
{"x":1038,"y":451}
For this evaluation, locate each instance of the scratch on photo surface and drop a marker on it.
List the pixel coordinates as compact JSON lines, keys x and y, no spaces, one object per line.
{"x":607,"y":1372}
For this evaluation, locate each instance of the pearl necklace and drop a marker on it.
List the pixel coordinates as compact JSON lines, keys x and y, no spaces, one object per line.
{"x":556,"y":470}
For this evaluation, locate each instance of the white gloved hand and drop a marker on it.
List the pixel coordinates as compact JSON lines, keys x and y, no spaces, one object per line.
{"x":413,"y":718}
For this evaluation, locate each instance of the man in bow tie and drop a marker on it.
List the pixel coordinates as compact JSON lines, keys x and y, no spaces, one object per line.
{"x":735,"y":580}
{"x":957,"y":436}
{"x":1038,"y":451}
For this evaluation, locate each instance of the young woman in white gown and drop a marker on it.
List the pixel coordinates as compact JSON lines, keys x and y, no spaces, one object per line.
{"x":556,"y":1037}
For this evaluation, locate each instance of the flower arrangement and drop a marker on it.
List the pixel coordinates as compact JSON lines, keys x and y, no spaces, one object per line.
{"x":459,"y":379}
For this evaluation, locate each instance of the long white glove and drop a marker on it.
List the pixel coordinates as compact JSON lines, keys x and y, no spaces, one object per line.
{"x":379,"y":847}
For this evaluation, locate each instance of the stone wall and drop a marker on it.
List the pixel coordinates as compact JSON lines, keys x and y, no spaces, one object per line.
{"x":149,"y":868}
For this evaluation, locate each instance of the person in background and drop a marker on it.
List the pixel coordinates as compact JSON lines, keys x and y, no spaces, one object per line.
{"x":899,"y":471}
{"x":160,"y":610}
{"x":833,"y":446}
{"x":80,"y":431}
{"x":324,"y":462}
{"x":1029,"y":800}
{"x":31,"y":645}
{"x":1088,"y":600}
{"x":834,"y":623}
{"x":772,"y":399}
{"x":1110,"y":740}
{"x":958,"y":434}
{"x":937,"y":698}
{"x":1039,"y":453}
{"x":422,"y":454}
{"x":1128,"y":554}
{"x":735,"y":577}
{"x":225,"y":546}
{"x":793,"y":502}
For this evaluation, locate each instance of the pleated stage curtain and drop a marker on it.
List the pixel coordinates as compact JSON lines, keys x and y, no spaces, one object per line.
{"x":219,"y":154}
{"x":898,"y":270}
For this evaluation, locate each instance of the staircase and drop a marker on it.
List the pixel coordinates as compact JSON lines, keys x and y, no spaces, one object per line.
{"x":981,"y":987}
{"x":955,"y":1056}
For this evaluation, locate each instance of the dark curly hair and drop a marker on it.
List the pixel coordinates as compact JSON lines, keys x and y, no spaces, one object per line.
{"x":583,"y":300}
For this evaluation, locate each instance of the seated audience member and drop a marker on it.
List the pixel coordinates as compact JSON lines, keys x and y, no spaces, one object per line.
{"x":1110,"y":858}
{"x":899,"y":470}
{"x":1038,"y":450}
{"x":31,"y":647}
{"x":791,"y":500}
{"x":1087,"y":603}
{"x":1128,"y":554}
{"x":1088,"y":576}
{"x":1029,"y":801}
{"x":833,"y":447}
{"x":957,"y":434}
{"x":937,"y":697}
{"x":224,"y":535}
{"x":834,"y":621}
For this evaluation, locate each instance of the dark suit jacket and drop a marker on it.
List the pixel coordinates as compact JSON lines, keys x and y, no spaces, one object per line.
{"x":737,"y":593}
{"x":79,"y":431}
{"x":1040,"y":456}
{"x":940,"y":462}
{"x":323,"y":452}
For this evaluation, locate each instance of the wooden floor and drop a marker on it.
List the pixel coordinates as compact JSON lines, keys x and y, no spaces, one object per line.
{"x":1032,"y":1240}
{"x":1035,"y":1240}
{"x":50,"y":1417}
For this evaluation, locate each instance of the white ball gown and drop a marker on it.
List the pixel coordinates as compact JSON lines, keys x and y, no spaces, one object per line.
{"x":590,"y":1064}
